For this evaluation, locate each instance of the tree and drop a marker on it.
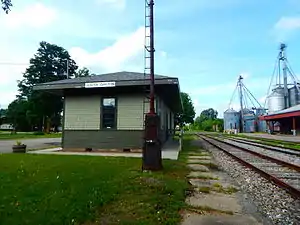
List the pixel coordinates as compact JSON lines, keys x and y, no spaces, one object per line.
{"x":3,"y":113}
{"x":84,"y":72}
{"x":208,"y":121}
{"x":48,"y":64}
{"x":207,"y":114}
{"x":6,"y":5}
{"x":188,"y":110}
{"x":17,"y":114}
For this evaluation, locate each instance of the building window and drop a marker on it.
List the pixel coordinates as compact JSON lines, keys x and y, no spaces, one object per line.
{"x":108,"y":113}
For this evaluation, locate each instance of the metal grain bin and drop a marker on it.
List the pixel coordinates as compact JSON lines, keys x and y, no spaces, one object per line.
{"x":294,"y":96}
{"x":276,"y":100}
{"x":249,"y":121}
{"x":261,"y":124}
{"x":231,"y":120}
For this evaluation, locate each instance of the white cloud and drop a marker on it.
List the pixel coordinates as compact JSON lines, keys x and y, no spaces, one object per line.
{"x":218,"y":96}
{"x":12,"y":68}
{"x":288,"y":23}
{"x":117,"y":4}
{"x":285,"y":27}
{"x":33,"y":16}
{"x":114,"y":57}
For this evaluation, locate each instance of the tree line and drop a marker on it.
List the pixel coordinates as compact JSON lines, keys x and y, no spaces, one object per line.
{"x":208,"y":121}
{"x":35,"y":110}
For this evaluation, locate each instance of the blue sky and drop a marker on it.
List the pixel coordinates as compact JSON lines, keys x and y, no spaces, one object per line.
{"x":205,"y":43}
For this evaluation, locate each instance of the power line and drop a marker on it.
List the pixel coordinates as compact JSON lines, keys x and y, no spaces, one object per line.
{"x":13,"y":64}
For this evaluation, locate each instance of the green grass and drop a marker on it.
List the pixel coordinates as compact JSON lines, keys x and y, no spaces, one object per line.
{"x":52,"y":189}
{"x":25,"y":135}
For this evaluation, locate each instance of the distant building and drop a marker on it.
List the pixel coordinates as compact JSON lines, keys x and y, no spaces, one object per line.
{"x":6,"y":126}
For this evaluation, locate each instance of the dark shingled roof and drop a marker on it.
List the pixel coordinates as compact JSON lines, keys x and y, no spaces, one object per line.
{"x":118,"y":76}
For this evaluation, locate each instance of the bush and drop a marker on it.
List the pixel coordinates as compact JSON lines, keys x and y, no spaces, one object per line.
{"x":39,"y":133}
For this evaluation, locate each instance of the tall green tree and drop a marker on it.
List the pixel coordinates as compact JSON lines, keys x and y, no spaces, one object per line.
{"x":83,"y":72}
{"x":17,"y":115}
{"x":48,"y":64}
{"x":207,"y":120}
{"x":208,"y":114}
{"x":188,"y":110}
{"x":6,"y":5}
{"x":3,"y":113}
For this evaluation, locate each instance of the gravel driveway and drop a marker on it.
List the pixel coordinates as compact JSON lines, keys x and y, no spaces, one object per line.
{"x":6,"y":145}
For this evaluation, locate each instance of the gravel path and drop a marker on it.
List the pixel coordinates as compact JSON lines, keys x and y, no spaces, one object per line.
{"x":272,"y":201}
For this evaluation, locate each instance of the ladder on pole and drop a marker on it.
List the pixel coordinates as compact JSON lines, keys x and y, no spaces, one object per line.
{"x":147,"y":57}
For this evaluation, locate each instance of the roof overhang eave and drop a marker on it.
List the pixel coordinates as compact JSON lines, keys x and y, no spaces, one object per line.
{"x":45,"y":86}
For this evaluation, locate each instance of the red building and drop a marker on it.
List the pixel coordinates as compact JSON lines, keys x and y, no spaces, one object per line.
{"x":286,"y":121}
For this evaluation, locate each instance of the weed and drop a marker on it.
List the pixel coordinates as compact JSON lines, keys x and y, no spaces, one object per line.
{"x":204,"y":189}
{"x":200,"y":209}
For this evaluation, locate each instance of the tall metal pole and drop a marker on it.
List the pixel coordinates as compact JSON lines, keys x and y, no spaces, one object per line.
{"x":152,"y":157}
{"x":152,"y":50}
{"x":284,"y":68}
{"x":241,"y":102}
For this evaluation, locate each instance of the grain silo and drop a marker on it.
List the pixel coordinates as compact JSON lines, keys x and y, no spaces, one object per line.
{"x":249,"y":121}
{"x":231,"y":120}
{"x":261,"y":124}
{"x":294,"y":95}
{"x":276,"y":100}
{"x":245,"y":120}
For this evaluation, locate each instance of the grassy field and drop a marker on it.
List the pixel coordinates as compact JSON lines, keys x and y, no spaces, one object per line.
{"x":26,"y":135}
{"x":51,"y":189}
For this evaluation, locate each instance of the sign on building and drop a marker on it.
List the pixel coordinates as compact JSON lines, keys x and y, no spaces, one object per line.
{"x":100,"y":84}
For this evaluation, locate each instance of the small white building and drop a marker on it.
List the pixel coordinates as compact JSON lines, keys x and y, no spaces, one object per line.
{"x":6,"y":126}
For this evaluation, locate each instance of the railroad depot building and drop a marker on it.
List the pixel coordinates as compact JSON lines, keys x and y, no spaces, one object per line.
{"x":107,"y":111}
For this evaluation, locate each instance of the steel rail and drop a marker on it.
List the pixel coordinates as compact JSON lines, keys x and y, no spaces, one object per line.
{"x":292,"y":190}
{"x":270,"y":144}
{"x":266,"y":147}
{"x":287,"y":164}
{"x":262,"y":145}
{"x":260,"y":141}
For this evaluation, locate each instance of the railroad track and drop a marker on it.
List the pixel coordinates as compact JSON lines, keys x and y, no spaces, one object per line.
{"x":284,"y":150}
{"x":258,"y":141}
{"x":283,"y":174}
{"x":290,"y":156}
{"x":288,"y":151}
